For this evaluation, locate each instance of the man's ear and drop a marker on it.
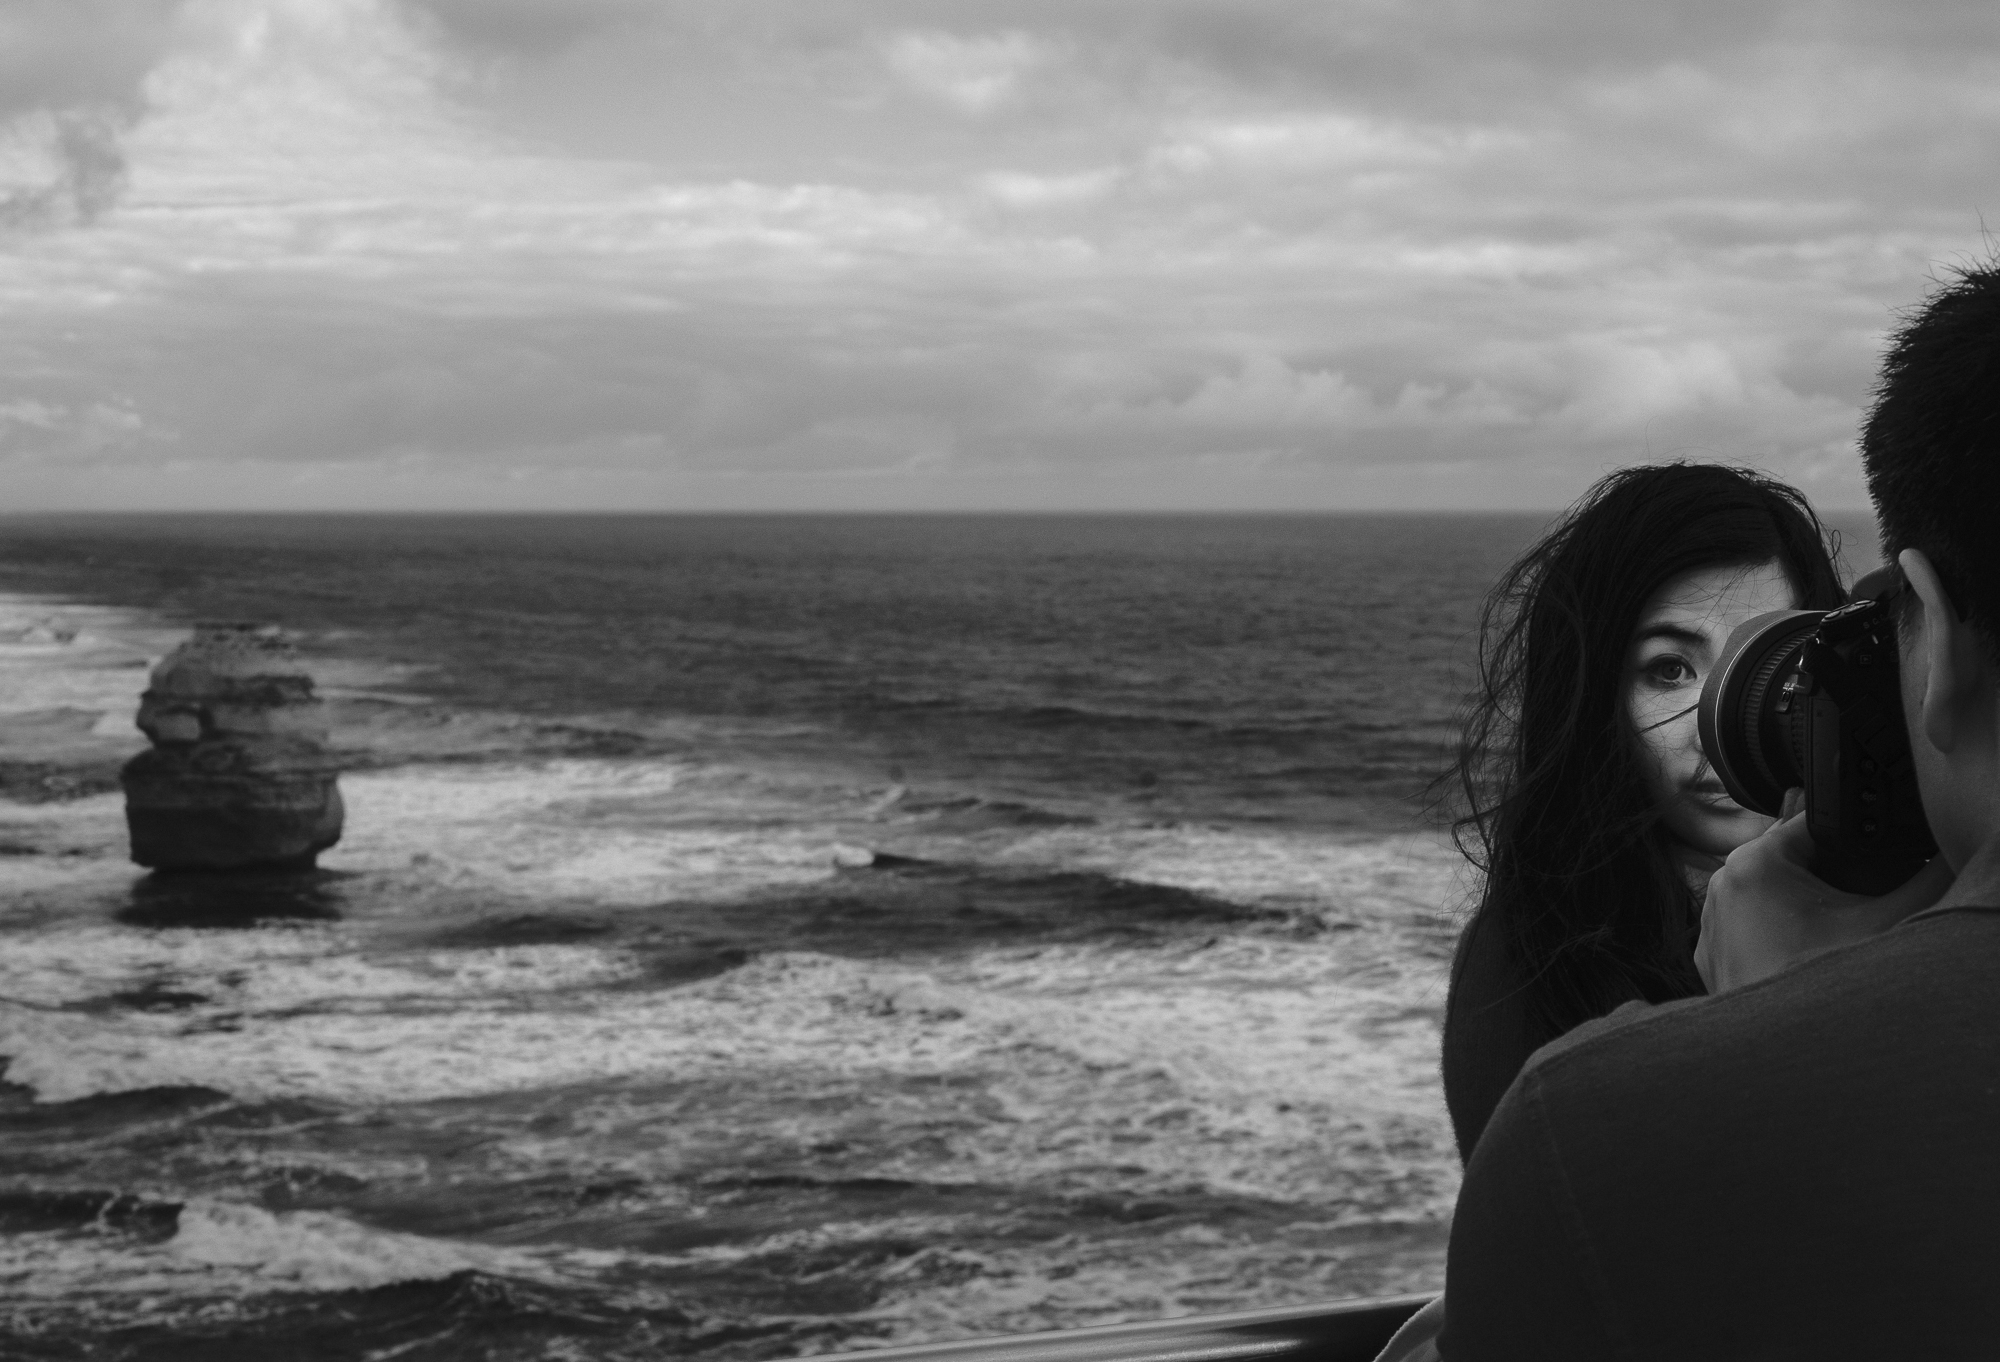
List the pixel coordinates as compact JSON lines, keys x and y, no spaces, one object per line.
{"x":1953,"y":659}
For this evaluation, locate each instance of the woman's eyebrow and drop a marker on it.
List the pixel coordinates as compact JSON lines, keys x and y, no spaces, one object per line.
{"x":1680,"y":633}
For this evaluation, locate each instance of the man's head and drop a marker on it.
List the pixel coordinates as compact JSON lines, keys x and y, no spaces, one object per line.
{"x":1932,"y":453}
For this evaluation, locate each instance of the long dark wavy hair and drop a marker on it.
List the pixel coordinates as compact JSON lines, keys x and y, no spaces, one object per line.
{"x":1592,"y":904}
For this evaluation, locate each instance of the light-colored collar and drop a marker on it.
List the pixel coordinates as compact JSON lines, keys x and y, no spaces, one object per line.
{"x":1977,"y":888}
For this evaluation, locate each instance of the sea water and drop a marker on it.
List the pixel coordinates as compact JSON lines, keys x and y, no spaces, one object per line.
{"x":751,"y":936}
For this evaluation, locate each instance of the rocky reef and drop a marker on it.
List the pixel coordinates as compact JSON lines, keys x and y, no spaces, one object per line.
{"x":239,"y":776}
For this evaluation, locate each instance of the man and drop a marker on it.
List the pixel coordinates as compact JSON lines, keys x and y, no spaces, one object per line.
{"x":1807,"y":1163}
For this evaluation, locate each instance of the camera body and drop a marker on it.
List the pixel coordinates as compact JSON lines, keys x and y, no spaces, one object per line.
{"x":1814,"y":699}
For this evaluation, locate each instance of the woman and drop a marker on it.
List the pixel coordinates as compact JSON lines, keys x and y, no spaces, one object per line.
{"x":1590,"y":807}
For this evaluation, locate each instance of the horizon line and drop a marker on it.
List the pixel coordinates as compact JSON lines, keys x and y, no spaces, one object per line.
{"x":520,"y":513}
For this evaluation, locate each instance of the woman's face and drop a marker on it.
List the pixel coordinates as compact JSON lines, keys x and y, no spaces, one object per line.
{"x":1678,"y":639}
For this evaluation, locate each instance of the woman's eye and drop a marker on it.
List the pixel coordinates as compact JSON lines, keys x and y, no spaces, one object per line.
{"x":1669,"y":671}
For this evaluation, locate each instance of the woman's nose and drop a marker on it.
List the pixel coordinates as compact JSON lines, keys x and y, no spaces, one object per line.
{"x":1686,"y":729}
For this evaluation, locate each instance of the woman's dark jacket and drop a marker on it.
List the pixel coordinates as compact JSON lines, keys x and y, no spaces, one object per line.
{"x":1489,"y":1027}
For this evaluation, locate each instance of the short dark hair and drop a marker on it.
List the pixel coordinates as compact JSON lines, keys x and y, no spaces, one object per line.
{"x":1579,"y":872}
{"x":1931,"y":447}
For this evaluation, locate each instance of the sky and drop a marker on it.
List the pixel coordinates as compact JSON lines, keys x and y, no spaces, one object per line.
{"x":1014,"y":254}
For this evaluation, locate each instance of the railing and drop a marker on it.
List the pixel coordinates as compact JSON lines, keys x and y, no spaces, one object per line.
{"x":1339,"y":1331}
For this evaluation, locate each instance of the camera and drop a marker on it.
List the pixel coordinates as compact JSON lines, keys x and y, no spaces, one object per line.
{"x":1814,"y":698}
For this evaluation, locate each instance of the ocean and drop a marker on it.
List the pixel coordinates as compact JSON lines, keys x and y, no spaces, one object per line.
{"x":752,"y":937}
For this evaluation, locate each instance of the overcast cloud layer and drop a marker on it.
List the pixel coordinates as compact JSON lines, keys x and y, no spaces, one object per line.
{"x":545,"y":254}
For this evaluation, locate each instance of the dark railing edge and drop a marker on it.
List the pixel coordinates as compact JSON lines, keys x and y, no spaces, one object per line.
{"x":1332,"y":1331}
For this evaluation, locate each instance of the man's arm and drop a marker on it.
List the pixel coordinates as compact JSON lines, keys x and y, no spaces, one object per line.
{"x":1521,"y":1281}
{"x":1766,"y":910}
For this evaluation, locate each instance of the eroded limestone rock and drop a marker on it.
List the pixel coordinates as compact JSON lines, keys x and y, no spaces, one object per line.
{"x":238,"y":775}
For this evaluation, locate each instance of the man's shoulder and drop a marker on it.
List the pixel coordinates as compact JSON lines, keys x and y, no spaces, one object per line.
{"x":1741,"y":1151}
{"x":1872,"y":998}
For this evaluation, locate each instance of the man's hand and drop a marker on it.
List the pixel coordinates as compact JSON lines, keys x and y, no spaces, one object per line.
{"x":1766,"y":911}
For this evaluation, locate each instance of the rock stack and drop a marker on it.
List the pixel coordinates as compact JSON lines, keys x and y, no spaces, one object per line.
{"x":239,"y":776}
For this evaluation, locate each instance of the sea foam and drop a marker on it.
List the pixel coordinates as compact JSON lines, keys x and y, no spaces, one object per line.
{"x":223,"y":1249}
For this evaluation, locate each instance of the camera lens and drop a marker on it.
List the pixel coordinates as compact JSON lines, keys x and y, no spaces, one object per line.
{"x":1752,"y":722}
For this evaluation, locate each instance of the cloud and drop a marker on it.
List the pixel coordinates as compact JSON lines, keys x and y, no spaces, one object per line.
{"x":1016,"y":189}
{"x":972,"y":73}
{"x":70,"y":84}
{"x":1249,"y":253}
{"x":530,"y":28}
{"x":63,"y":54}
{"x":66,"y":168}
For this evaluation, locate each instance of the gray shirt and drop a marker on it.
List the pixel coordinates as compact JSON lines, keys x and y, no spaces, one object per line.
{"x":1806,"y":1167}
